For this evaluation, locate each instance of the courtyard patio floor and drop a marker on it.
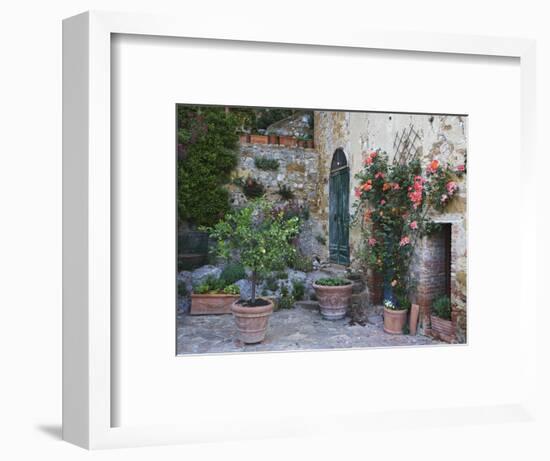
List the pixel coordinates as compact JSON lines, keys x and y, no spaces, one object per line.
{"x":292,"y":329}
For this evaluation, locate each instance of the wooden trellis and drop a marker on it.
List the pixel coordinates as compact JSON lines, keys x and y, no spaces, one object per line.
{"x":406,"y":145}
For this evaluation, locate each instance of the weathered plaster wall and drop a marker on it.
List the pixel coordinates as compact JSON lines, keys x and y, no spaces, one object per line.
{"x":441,"y":137}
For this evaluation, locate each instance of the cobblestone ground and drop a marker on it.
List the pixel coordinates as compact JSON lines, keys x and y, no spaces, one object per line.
{"x":293,"y":329}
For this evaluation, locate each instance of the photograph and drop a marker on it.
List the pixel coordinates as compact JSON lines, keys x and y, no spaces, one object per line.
{"x":304,"y":229}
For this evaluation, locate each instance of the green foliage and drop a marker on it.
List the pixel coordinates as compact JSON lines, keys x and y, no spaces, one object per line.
{"x":258,"y":235}
{"x":298,"y":290}
{"x":271,"y":283}
{"x":287,"y":300}
{"x":301,"y":263}
{"x":232,"y":290}
{"x":265,"y":163}
{"x":207,"y":146}
{"x":285,"y":192}
{"x":441,"y":307}
{"x":232,"y":273}
{"x":281,"y":275}
{"x":332,"y":282}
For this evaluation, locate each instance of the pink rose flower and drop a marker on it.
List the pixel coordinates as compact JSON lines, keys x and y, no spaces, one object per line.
{"x":372,"y":242}
{"x":404,"y":241}
{"x":413,"y":225}
{"x":382,"y":202}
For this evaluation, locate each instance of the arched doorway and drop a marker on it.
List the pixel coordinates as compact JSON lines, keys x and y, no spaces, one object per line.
{"x":339,"y":209}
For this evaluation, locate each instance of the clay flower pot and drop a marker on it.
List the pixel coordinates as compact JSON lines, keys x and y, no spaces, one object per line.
{"x":212,"y":303}
{"x":444,"y":328}
{"x":273,"y":139}
{"x":333,"y":300}
{"x":394,"y":321}
{"x":244,"y":138}
{"x":251,"y":321}
{"x":258,"y":139}
{"x":288,"y":141}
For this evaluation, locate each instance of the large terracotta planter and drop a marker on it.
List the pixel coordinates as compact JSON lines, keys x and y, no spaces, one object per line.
{"x":251,"y":321}
{"x":394,"y":321}
{"x":258,"y":139}
{"x":288,"y":141}
{"x":273,"y":139}
{"x":333,"y":300}
{"x":212,"y":304}
{"x":444,"y":328}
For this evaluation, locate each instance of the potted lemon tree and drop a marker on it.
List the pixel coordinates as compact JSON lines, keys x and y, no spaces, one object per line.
{"x":259,"y":236}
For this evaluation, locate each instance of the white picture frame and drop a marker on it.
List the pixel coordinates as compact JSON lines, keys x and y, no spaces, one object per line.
{"x":87,"y":359}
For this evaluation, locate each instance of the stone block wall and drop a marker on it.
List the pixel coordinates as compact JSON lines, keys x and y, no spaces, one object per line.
{"x":299,"y":170}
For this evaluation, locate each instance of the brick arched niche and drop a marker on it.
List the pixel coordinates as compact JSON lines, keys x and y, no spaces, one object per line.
{"x":435,"y":272}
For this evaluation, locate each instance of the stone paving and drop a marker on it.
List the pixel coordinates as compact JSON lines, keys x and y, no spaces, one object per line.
{"x":293,"y":329}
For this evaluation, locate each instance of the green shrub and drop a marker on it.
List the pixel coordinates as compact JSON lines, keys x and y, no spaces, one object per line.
{"x":281,"y":275}
{"x":286,"y":301}
{"x":301,"y":263}
{"x":441,"y":307}
{"x":265,"y":163}
{"x":210,"y":285}
{"x":332,"y":282}
{"x":298,"y":290}
{"x":232,"y":290}
{"x":271,"y":283}
{"x":207,"y":153}
{"x":402,"y":300}
{"x":232,"y":273}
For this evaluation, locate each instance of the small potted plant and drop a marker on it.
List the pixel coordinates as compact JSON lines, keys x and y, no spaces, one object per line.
{"x":213,"y":297}
{"x":334,"y":296}
{"x":395,"y":317}
{"x":440,"y":318}
{"x":260,"y":237}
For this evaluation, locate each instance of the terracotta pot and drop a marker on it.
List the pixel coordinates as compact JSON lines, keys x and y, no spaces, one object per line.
{"x":251,"y":321}
{"x":333,"y":301}
{"x":309,"y":143}
{"x":258,"y":139}
{"x":442,"y":327}
{"x":394,"y":321}
{"x":212,"y":304}
{"x":288,"y":141}
{"x":301,"y":143}
{"x":244,"y":138}
{"x":273,"y":139}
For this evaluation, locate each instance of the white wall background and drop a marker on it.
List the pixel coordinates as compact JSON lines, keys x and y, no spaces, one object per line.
{"x":30,"y":235}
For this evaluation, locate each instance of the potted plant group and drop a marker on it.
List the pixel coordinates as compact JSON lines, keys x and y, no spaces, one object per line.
{"x":395,"y":317}
{"x":259,"y":236}
{"x":216,"y":295}
{"x":440,"y":318}
{"x":213,"y":297}
{"x":334,"y":296}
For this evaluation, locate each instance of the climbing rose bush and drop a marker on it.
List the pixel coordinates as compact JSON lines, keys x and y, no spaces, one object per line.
{"x":392,"y":207}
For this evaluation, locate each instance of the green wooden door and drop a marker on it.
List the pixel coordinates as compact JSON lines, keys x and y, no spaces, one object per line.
{"x":339,"y":209}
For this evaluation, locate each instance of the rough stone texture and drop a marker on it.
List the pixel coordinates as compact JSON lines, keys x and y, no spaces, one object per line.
{"x":200,"y":274}
{"x":441,"y":137}
{"x":297,"y":125}
{"x":184,"y":278}
{"x":293,"y":329}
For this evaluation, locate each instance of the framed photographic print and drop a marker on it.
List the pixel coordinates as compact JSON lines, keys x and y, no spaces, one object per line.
{"x":256,"y":222}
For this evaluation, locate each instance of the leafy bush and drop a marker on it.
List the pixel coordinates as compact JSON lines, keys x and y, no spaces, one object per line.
{"x":441,"y":307}
{"x":207,"y":153}
{"x":232,"y":273}
{"x":286,"y":301}
{"x":264,"y":163}
{"x":232,"y":290}
{"x":259,"y":238}
{"x":332,"y":282}
{"x":285,"y":192}
{"x":271,"y":283}
{"x":301,"y":263}
{"x":281,"y":275}
{"x":298,"y":290}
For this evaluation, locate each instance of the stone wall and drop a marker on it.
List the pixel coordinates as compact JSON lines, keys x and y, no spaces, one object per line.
{"x":299,"y":170}
{"x":440,"y":137}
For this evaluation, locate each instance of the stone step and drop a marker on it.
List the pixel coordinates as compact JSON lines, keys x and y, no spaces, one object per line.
{"x":309,"y":305}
